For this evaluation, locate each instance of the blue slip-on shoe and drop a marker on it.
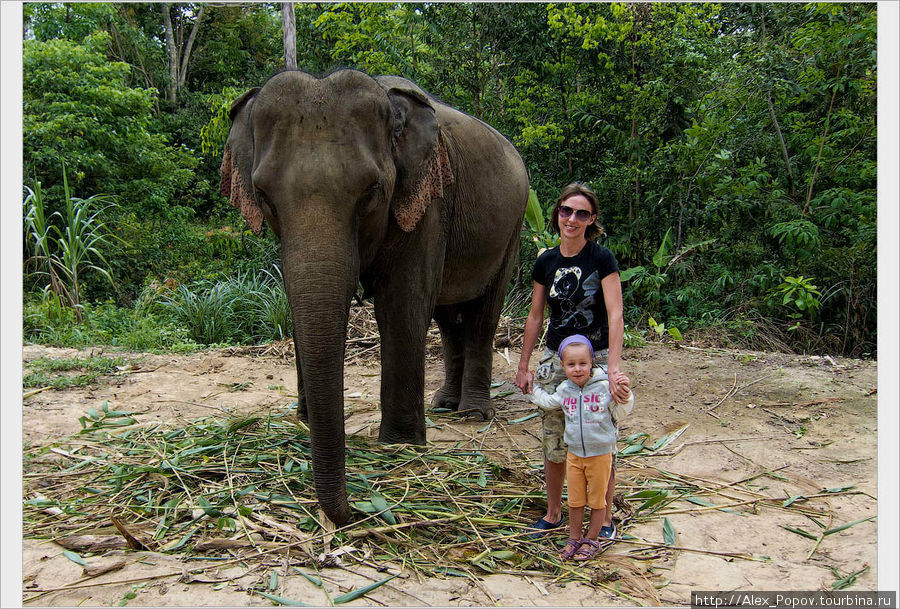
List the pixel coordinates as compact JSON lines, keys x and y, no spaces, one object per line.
{"x":607,"y":535}
{"x":543,"y":526}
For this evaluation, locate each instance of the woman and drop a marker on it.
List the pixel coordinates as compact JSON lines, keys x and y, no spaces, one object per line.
{"x":579,"y":281}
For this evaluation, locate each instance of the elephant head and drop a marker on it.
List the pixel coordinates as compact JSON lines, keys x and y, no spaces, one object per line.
{"x":332,"y":165}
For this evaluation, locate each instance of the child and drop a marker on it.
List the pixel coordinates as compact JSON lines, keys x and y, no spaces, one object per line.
{"x":591,"y":438}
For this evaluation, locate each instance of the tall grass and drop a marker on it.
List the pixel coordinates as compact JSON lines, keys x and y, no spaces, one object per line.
{"x":250,"y":308}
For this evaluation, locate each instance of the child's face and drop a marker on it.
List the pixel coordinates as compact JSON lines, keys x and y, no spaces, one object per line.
{"x":576,"y":361}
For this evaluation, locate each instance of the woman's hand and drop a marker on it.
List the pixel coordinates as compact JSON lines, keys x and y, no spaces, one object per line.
{"x":619,"y":386}
{"x":524,"y":378}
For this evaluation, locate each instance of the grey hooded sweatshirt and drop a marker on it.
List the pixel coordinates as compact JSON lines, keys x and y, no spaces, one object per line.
{"x":590,"y":430}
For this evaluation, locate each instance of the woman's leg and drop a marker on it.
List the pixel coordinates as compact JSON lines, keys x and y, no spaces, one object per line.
{"x":606,"y":513}
{"x":555,"y":477}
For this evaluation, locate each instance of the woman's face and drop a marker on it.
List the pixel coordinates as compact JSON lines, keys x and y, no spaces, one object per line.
{"x":571,"y":227}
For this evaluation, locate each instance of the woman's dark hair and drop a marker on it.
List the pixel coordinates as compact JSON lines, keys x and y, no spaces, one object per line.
{"x":594,"y":229}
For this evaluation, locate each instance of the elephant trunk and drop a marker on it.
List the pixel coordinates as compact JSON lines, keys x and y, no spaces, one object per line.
{"x":319,"y":286}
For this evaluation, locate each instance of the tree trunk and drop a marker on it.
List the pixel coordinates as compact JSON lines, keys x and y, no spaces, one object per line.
{"x":289,"y":35}
{"x":173,"y":55}
{"x":186,"y":55}
{"x":784,"y":151}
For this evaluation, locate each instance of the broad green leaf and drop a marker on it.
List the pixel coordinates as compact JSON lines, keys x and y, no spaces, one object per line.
{"x":381,"y":506}
{"x":662,"y":254}
{"x":534,"y":215}
{"x":630,"y":272}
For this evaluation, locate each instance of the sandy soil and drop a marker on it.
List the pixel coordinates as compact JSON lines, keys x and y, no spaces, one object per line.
{"x":810,"y":420}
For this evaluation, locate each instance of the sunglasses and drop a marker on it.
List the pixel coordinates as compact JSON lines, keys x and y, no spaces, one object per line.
{"x":582,"y":215}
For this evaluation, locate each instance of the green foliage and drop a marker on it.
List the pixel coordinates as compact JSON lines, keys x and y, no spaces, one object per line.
{"x":797,"y":293}
{"x":44,"y":372}
{"x":537,"y":225}
{"x":249,"y":308}
{"x":79,"y":110}
{"x":64,"y":251}
{"x":732,"y":145}
{"x":214,"y":133}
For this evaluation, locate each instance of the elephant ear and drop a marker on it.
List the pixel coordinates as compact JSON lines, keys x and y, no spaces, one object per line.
{"x":420,"y":156}
{"x":237,"y":162}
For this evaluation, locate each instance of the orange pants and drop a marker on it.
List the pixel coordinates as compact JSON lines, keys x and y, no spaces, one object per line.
{"x":588,"y":478}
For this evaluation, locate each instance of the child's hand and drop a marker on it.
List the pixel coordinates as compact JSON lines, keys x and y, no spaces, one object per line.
{"x":620,"y":387}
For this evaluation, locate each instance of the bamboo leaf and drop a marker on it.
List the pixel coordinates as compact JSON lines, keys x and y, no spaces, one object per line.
{"x":668,"y":532}
{"x":450,"y":571}
{"x":527,"y":417}
{"x":848,"y":580}
{"x":355,"y":594}
{"x":273,"y":580}
{"x":848,"y":525}
{"x":632,"y":449}
{"x":699,"y":501}
{"x":312,"y":579}
{"x":281,"y":600}
{"x":794,"y":499}
{"x":800,"y":532}
{"x":74,"y":558}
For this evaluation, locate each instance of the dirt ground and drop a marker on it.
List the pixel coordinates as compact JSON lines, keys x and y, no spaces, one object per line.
{"x":810,"y":421}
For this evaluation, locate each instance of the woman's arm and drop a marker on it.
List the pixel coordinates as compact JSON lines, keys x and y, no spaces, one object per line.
{"x":612,"y":296}
{"x":533,"y":324}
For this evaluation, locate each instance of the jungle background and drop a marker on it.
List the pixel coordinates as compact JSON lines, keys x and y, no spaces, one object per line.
{"x":733,"y":148}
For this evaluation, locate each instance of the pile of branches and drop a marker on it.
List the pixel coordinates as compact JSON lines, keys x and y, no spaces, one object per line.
{"x":243,"y":487}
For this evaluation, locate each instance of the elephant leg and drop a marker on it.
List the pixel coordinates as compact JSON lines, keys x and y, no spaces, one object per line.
{"x":405,"y":298}
{"x":402,"y":374}
{"x":453,"y":338}
{"x":481,"y":319}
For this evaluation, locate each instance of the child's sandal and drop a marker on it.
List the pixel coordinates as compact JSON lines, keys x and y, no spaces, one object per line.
{"x":587,"y":550}
{"x":570,"y":548}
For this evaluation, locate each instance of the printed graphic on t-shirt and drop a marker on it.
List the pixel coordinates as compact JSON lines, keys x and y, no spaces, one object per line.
{"x":575,"y":303}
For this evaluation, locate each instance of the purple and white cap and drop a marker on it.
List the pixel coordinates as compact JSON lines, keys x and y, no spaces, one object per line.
{"x":575,"y":338}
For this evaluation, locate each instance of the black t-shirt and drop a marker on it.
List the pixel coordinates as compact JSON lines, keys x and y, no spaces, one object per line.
{"x":574,"y":293}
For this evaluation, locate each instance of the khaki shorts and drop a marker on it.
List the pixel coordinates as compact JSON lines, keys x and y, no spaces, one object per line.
{"x":549,"y":375}
{"x":588,"y":478}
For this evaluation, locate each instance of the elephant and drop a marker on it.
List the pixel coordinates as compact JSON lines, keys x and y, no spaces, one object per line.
{"x":369,"y":180}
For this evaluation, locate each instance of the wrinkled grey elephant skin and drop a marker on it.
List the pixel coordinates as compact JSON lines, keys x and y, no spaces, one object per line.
{"x":373,"y":181}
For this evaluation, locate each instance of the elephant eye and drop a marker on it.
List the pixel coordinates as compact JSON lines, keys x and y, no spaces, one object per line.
{"x":368,"y":196}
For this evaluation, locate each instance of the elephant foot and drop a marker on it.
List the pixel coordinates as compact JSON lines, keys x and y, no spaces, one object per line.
{"x":475,"y":408}
{"x":395,"y":436}
{"x":446,"y":398}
